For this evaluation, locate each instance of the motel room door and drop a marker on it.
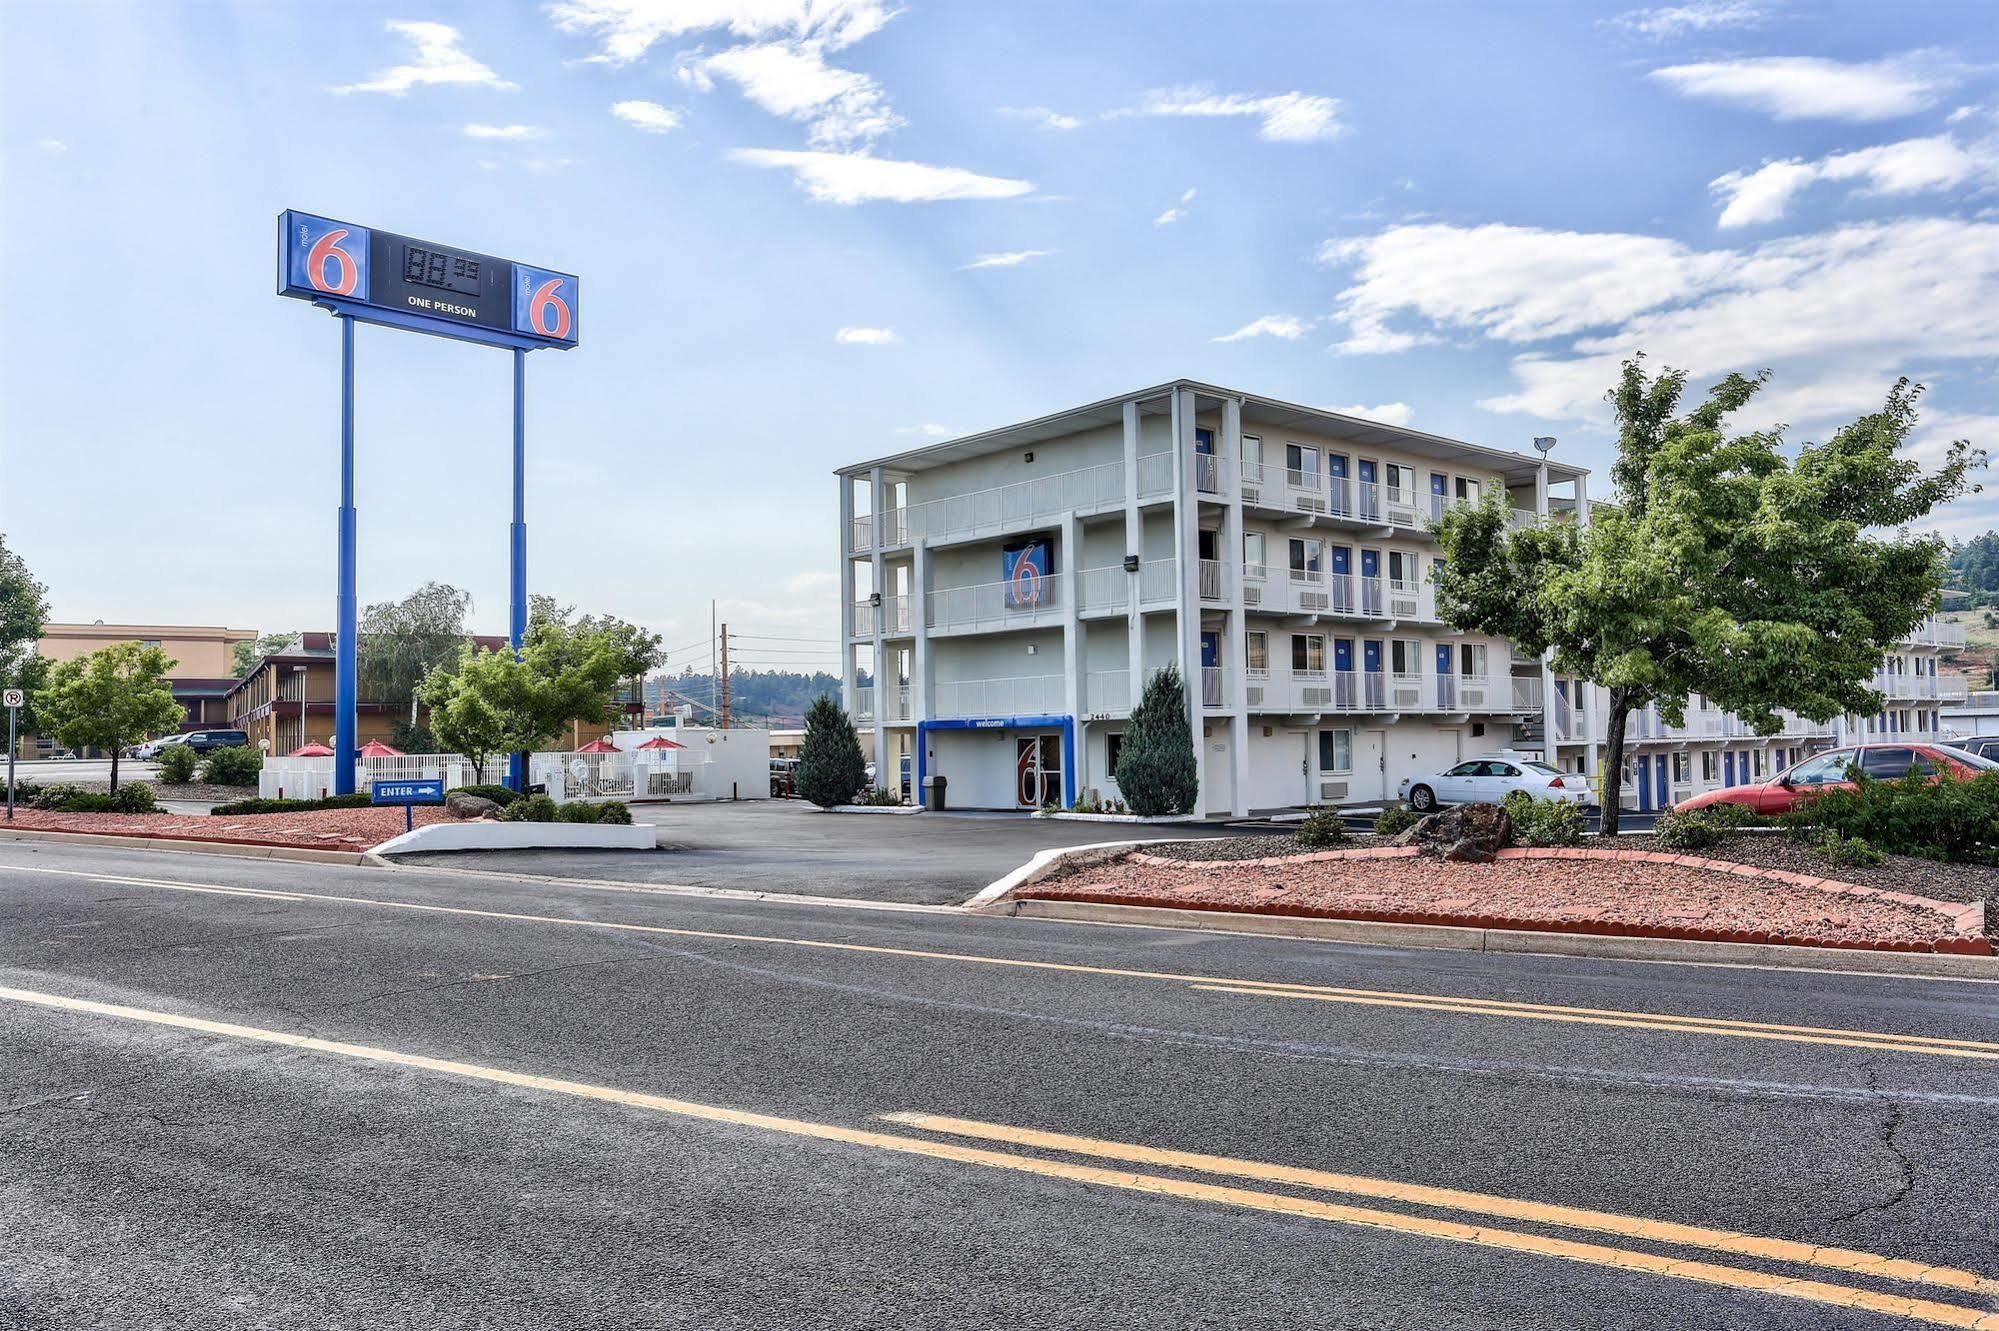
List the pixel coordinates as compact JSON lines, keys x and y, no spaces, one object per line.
{"x":1037,"y":771}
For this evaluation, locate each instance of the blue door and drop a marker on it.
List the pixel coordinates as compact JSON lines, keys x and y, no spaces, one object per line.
{"x":1440,"y":490}
{"x":1661,"y":773}
{"x":1343,"y":597}
{"x":1447,"y":683}
{"x":1211,"y":650}
{"x":1728,"y":769}
{"x":1644,"y":783}
{"x":1204,"y":441}
{"x":1336,"y":474}
{"x":1370,"y":581}
{"x":1370,"y":659}
{"x":1370,"y":498}
{"x":1343,"y":683}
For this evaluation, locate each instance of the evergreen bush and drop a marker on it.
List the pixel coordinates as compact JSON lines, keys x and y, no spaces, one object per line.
{"x":177,"y":763}
{"x":831,"y":769}
{"x":1156,"y":767}
{"x":1395,"y":820}
{"x":1941,"y":817}
{"x":1322,"y":830}
{"x":1539,"y":822}
{"x":236,"y":765}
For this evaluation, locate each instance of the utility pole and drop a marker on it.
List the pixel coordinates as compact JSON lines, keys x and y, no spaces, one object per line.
{"x":714,"y":673}
{"x":723,"y":684}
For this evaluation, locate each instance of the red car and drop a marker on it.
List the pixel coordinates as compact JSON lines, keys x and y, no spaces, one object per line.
{"x":1831,"y":770}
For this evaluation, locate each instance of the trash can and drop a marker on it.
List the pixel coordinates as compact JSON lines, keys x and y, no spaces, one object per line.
{"x":933,"y":793}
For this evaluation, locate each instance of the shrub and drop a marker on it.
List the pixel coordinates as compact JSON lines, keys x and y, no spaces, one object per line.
{"x":1938,"y":818}
{"x":576,"y":811}
{"x":177,"y":764}
{"x":1156,"y":764}
{"x":25,"y":792}
{"x":500,"y":795}
{"x":234,"y":766}
{"x":133,"y":797}
{"x":1395,"y":820}
{"x":1322,"y":829}
{"x":830,"y":766}
{"x":879,"y":796}
{"x":1538,"y":822}
{"x":58,"y":796}
{"x":356,"y":801}
{"x":533,"y":809}
{"x":615,"y":811}
{"x":1848,"y":852}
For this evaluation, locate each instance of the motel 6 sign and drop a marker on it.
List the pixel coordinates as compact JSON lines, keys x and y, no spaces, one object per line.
{"x":432,"y":288}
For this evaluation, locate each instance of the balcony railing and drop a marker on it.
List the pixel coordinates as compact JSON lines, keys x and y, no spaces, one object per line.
{"x":1914,"y":687}
{"x":1383,"y":691}
{"x":991,"y":606}
{"x":893,"y":613}
{"x":1109,"y":588}
{"x":1033,"y":695}
{"x":1212,"y":687}
{"x":1107,"y":693}
{"x":1213,"y":580}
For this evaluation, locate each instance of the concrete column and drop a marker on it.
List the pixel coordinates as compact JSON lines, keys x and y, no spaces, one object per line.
{"x":878,"y":494}
{"x":919,"y":623}
{"x":847,"y":681}
{"x":1187,"y":549}
{"x":1069,"y":555}
{"x":1236,"y":638}
{"x":1134,"y":544}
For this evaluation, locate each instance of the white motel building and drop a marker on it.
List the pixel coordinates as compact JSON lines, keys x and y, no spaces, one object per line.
{"x":1005,"y":595}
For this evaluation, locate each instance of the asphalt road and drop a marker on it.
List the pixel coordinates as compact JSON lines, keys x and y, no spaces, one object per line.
{"x":255,"y":1094}
{"x":788,"y":846}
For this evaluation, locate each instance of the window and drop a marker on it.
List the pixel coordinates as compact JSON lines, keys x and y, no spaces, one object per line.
{"x":1256,"y":645}
{"x":1308,"y":654}
{"x":150,"y":642}
{"x":1887,"y":764}
{"x":1405,"y":658}
{"x":1401,"y":566}
{"x":1307,"y":556}
{"x":1471,"y":659}
{"x":1336,"y":750}
{"x":1467,"y":769}
{"x":1113,"y":746}
{"x":1467,"y":489}
{"x":1252,"y":456}
{"x":1710,"y":767}
{"x":1758,"y":763}
{"x":1826,"y":769}
{"x":1401,"y":480}
{"x":1303,"y":465}
{"x":1683,"y":768}
{"x":1252,"y":552}
{"x":1542,"y":768}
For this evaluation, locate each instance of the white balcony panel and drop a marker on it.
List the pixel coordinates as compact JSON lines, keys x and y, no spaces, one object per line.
{"x":1033,"y":695}
{"x":996,"y":607}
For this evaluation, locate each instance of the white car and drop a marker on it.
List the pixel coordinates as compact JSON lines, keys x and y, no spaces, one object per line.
{"x":1489,"y":778}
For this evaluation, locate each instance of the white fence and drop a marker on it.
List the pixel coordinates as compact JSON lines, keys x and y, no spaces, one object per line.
{"x":312,"y":778}
{"x":567,"y":775}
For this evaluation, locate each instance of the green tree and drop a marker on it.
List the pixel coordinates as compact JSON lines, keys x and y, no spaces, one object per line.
{"x":24,"y":609}
{"x":401,"y":641}
{"x":495,"y":702}
{"x":1724,"y":568}
{"x":247,"y":654}
{"x":109,"y":698}
{"x":831,"y":769}
{"x":639,"y":652}
{"x":1156,"y":771}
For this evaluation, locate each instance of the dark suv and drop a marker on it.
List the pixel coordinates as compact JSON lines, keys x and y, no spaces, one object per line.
{"x":205,"y":741}
{"x":1985,"y":746}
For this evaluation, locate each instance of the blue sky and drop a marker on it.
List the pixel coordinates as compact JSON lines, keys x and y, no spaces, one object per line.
{"x":812,"y":231}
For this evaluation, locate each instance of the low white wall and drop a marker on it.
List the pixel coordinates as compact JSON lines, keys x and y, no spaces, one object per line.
{"x":523,"y":836}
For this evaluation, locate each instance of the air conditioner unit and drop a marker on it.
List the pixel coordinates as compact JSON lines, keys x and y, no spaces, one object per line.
{"x":1316,"y":697}
{"x":1255,"y":692}
{"x":1309,"y":503}
{"x":1313,"y":600}
{"x":1252,"y":593}
{"x":1330,"y":790}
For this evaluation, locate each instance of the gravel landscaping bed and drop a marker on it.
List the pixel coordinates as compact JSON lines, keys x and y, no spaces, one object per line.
{"x":1615,"y":896}
{"x":194,"y":792}
{"x":1249,"y":847}
{"x":321,"y":829}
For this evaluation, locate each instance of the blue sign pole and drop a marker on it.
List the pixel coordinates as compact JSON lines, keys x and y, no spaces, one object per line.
{"x":348,"y":611}
{"x":517,"y":583}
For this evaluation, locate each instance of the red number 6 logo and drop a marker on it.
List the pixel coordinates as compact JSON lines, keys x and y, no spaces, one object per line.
{"x":540,"y":305}
{"x":348,"y":274}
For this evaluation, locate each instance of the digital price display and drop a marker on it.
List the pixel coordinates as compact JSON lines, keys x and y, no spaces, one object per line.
{"x":425,"y":286}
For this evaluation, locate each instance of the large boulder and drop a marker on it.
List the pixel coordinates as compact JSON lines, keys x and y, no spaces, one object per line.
{"x":1466,"y":833}
{"x":470,"y":807}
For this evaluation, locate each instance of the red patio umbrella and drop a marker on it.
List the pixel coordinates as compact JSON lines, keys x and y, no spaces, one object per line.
{"x":661,"y":742}
{"x":310,"y":751}
{"x":374,"y":748}
{"x":599,"y":746}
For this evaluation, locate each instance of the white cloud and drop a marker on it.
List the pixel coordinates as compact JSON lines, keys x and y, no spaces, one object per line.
{"x":1857,"y":303}
{"x":627,"y":29}
{"x":1286,"y":326}
{"x":1813,"y":88}
{"x":1913,"y":166}
{"x":1288,"y":117}
{"x":1669,"y":21}
{"x":792,"y":79}
{"x":1177,"y":211}
{"x":1006,"y":259}
{"x":648,"y":116}
{"x":1042,"y":116}
{"x":1388,"y":413}
{"x":851,"y":178}
{"x":52,"y":145}
{"x":855,"y":336}
{"x":929,"y":430}
{"x":439,"y":60}
{"x":476,"y":131}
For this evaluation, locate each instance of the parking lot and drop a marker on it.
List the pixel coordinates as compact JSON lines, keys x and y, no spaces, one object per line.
{"x":788,"y":846}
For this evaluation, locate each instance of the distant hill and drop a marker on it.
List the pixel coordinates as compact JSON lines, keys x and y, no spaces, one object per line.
{"x":774,"y":698}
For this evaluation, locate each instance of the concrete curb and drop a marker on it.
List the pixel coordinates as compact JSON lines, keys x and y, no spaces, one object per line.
{"x":247,"y":850}
{"x":1918,"y":965}
{"x":1046,"y":862}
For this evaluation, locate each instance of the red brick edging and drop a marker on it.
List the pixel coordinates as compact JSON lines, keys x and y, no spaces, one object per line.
{"x":1967,"y":919}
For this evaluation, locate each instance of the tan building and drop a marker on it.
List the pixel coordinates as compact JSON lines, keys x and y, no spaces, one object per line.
{"x":203,"y":656}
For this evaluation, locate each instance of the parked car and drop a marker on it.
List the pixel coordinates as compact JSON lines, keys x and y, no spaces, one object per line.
{"x":1985,"y":746}
{"x":783,"y":778}
{"x":1833,"y":770}
{"x":1490,"y":778}
{"x":205,"y":741}
{"x":152,"y":747}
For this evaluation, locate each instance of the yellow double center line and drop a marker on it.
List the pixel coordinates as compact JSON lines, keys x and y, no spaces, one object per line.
{"x":1123,"y":1178}
{"x":1672,"y":1023}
